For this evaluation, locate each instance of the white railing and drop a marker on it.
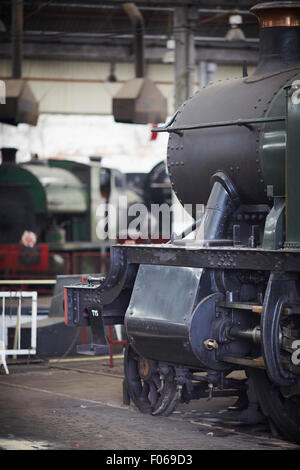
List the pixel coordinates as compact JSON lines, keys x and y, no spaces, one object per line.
{"x":16,"y":321}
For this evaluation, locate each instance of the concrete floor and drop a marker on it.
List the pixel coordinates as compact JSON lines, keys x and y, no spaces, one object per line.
{"x":77,"y":404}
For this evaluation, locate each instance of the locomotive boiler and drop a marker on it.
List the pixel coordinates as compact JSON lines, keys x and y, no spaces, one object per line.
{"x":195,"y":310}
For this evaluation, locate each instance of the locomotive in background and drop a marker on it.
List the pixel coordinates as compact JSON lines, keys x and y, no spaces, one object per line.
{"x":197,"y":310}
{"x":57,"y":201}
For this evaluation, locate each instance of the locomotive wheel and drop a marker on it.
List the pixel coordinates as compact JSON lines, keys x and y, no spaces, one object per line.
{"x":144,"y":386}
{"x":283,"y":412}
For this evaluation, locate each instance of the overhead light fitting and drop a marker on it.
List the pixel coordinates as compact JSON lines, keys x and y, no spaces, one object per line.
{"x":169,"y":56}
{"x":235,"y":33}
{"x":112,"y":78}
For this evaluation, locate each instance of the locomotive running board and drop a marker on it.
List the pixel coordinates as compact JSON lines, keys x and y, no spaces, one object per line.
{"x":212,"y":257}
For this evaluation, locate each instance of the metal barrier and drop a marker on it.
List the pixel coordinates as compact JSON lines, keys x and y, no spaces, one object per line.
{"x":9,"y":320}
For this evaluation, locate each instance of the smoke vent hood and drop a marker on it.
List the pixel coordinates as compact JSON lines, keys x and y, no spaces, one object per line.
{"x":21,"y":105}
{"x":139,"y":101}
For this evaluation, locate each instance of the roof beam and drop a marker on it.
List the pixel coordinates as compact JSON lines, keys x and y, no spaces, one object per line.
{"x":123,"y":53}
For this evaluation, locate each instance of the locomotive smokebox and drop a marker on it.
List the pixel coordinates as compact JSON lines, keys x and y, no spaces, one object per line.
{"x":237,"y":126}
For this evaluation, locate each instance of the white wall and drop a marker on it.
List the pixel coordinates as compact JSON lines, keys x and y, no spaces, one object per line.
{"x":75,"y":102}
{"x":77,"y":87}
{"x":125,"y":146}
{"x":230,"y":71}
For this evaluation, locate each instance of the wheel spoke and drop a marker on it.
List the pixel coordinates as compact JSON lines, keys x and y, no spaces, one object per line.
{"x":143,"y":383}
{"x":145,"y":392}
{"x":156,"y":380}
{"x":153,"y":393}
{"x":284,"y":412}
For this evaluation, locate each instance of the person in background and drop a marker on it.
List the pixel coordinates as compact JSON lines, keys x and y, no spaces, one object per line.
{"x":28,"y":239}
{"x":17,"y":216}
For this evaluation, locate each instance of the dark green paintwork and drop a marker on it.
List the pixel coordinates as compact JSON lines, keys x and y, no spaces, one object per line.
{"x":279,"y":157}
{"x":81,"y":226}
{"x":292,"y":170}
{"x":273,"y":144}
{"x":14,"y":175}
{"x":55,"y":190}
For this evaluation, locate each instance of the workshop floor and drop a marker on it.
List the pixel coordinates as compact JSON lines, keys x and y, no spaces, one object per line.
{"x":77,"y":404}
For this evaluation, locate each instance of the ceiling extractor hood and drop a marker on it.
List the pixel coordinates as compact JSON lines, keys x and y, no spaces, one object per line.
{"x":139,"y":101}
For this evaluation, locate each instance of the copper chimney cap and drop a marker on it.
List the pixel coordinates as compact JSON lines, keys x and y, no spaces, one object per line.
{"x":274,"y":14}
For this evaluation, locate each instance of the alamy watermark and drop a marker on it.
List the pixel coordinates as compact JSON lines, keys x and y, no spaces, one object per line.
{"x":137,"y":221}
{"x":296,"y":93}
{"x":296,"y":354}
{"x":295,"y":98}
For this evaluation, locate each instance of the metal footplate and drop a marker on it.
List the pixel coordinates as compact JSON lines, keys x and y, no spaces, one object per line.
{"x":93,"y":349}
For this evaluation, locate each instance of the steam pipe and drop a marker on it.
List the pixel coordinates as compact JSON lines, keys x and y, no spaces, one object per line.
{"x":219,"y":206}
{"x":222,"y":201}
{"x":17,"y":38}
{"x":138,"y":32}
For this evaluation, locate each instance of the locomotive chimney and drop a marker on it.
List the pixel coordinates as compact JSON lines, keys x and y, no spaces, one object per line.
{"x":8,"y":155}
{"x":279,"y":35}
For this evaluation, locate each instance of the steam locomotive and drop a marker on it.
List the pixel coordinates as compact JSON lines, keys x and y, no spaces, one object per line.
{"x":57,"y":200}
{"x":195,"y":310}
